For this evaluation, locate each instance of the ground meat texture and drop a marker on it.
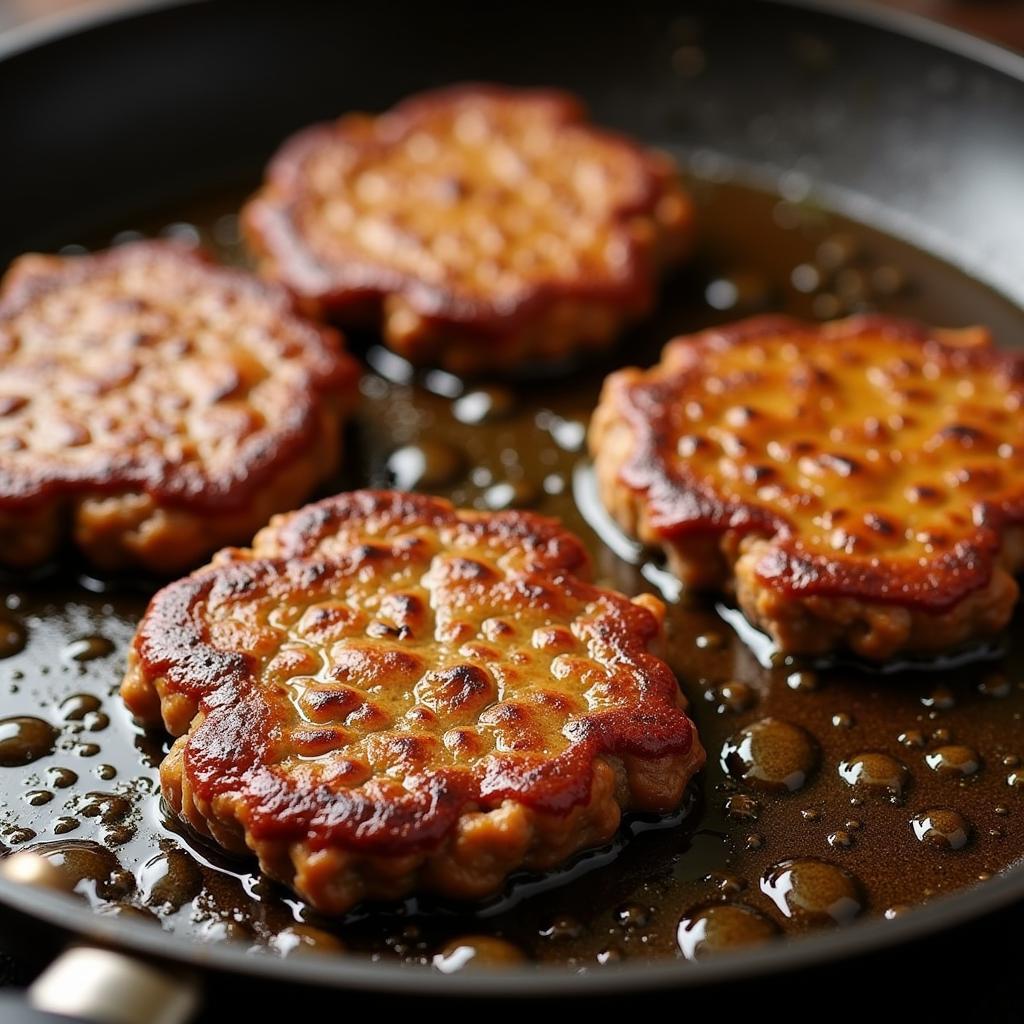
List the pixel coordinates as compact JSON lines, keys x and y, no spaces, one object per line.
{"x":858,"y":485}
{"x":484,"y":228}
{"x":385,"y":695}
{"x":154,"y":407}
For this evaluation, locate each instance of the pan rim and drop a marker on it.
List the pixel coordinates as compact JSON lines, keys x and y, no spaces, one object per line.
{"x":540,"y":980}
{"x":358,"y":973}
{"x":921,"y":29}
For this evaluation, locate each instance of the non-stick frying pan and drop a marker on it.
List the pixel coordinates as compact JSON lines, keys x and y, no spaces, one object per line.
{"x":916,"y":129}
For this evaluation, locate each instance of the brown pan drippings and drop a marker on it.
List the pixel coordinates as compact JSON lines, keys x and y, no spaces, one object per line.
{"x":831,"y":792}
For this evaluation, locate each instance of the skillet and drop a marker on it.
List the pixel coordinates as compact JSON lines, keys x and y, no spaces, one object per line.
{"x":897,"y":123}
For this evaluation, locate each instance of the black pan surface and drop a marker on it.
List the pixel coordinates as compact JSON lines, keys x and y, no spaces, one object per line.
{"x":891,"y":129}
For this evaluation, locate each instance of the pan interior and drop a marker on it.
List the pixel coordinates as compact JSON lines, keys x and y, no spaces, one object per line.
{"x":78,"y":780}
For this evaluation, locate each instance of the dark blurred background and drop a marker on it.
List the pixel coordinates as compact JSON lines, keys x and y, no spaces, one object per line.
{"x":998,"y":20}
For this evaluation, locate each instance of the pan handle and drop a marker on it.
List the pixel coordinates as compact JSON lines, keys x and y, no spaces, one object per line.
{"x":97,"y":986}
{"x":102,"y":987}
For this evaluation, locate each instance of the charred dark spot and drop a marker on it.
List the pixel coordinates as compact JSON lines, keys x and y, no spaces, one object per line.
{"x":879,"y":524}
{"x":759,"y":474}
{"x":739,"y":415}
{"x":875,"y":430}
{"x":401,"y":661}
{"x":11,"y":404}
{"x":494,"y":629}
{"x":403,"y":605}
{"x":368,"y":716}
{"x":421,"y":715}
{"x":734,"y":445}
{"x":369,"y":553}
{"x":805,"y":377}
{"x":321,"y":618}
{"x":310,"y":573}
{"x":553,"y":700}
{"x":451,"y":189}
{"x":322,"y":702}
{"x":405,"y":749}
{"x":460,"y":685}
{"x":962,"y":434}
{"x":466,"y":569}
{"x":923,"y":493}
{"x":179,"y":346}
{"x":690,"y":444}
{"x":409,"y":547}
{"x":310,"y":740}
{"x":506,"y":713}
{"x":532,"y":590}
{"x":229,"y":386}
{"x":844,"y":465}
{"x":383,"y":630}
{"x":462,"y":741}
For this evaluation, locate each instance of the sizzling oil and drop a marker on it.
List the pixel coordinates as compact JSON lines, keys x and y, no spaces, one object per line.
{"x":830,"y":794}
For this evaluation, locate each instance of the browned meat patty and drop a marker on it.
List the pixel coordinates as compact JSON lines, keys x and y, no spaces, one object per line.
{"x":386,"y":695}
{"x":859,"y":483}
{"x":485,"y":228}
{"x":155,"y":406}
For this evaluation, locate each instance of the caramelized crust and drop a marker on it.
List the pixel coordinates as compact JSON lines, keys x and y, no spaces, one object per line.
{"x":158,"y":405}
{"x":384,"y":694}
{"x":484,"y":227}
{"x":861,"y":482}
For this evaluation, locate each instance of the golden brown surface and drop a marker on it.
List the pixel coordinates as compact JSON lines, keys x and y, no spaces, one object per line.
{"x":386,"y":695}
{"x":484,"y":227}
{"x":158,"y":404}
{"x":861,"y":482}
